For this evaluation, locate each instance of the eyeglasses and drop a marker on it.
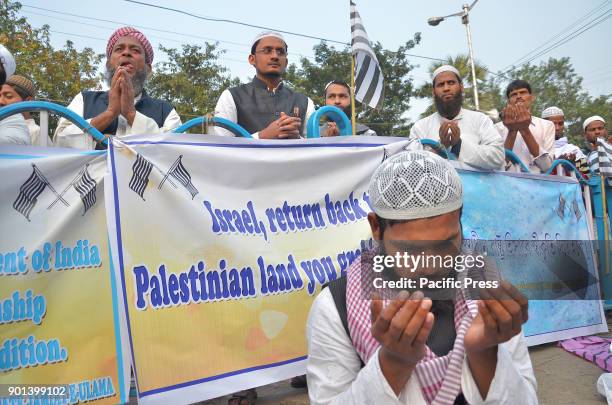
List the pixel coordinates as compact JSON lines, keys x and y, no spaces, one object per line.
{"x":268,"y":50}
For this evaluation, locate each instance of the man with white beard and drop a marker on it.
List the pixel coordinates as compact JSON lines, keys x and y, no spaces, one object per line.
{"x":125,"y":108}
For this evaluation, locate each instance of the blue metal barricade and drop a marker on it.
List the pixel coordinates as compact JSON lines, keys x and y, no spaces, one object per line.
{"x":216,"y":121}
{"x":334,"y":113}
{"x":30,"y":106}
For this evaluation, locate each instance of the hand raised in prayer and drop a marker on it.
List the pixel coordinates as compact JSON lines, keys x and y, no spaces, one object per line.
{"x":569,"y":156}
{"x":127,"y":96}
{"x":449,"y":133}
{"x":114,"y":96}
{"x":501,"y":313}
{"x":331,"y":130}
{"x":402,"y":327}
{"x":283,"y":128}
{"x":516,"y":117}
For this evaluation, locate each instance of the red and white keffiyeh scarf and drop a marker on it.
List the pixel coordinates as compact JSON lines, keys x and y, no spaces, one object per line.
{"x":439,"y":377}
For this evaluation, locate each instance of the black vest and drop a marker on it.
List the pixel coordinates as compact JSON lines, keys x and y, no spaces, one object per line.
{"x":257,"y":107}
{"x":96,"y":102}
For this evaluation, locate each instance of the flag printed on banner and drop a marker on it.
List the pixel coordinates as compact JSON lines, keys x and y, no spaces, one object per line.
{"x":180,"y":173}
{"x":369,"y":81}
{"x":86,"y":187}
{"x":29,"y":192}
{"x":141,"y":170}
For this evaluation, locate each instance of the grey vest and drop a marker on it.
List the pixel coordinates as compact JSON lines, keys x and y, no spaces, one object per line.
{"x":257,"y":107}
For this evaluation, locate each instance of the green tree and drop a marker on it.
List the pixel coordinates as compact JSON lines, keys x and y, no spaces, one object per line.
{"x":335,"y":64}
{"x":191,"y":79}
{"x":555,"y":83}
{"x":488,"y":90}
{"x":59,"y":74}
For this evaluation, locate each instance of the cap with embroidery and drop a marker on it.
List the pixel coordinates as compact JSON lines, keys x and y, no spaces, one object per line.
{"x":25,"y":85}
{"x":552,"y":112}
{"x":134,"y":33}
{"x":415,"y":184}
{"x":590,"y":120}
{"x":265,"y":34}
{"x":445,"y":68}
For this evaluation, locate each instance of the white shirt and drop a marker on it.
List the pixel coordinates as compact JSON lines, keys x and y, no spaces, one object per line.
{"x":562,"y":147}
{"x":33,"y":129}
{"x":226,"y":108}
{"x":69,"y":135}
{"x":334,"y":374}
{"x":481,"y":144}
{"x":13,"y":130}
{"x":544,"y":133}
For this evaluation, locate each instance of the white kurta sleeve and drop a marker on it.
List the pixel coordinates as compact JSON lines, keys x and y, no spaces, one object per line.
{"x":417,"y":130}
{"x":146,"y":125}
{"x":225,"y":108}
{"x":310,"y":109}
{"x":69,"y":135}
{"x":485,"y":149}
{"x":13,"y":130}
{"x":547,"y":147}
{"x":333,"y":369}
{"x":514,"y":381}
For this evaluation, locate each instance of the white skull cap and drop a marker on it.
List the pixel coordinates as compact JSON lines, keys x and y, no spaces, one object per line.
{"x":552,"y":112}
{"x":415,"y":184}
{"x":7,"y":60}
{"x":591,"y":119}
{"x":266,"y":34}
{"x":445,"y":68}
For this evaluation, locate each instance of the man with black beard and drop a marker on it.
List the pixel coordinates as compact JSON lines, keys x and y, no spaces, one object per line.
{"x":338,"y":94}
{"x":469,"y":135}
{"x":13,"y":129}
{"x":125,"y":108}
{"x":266,"y":107}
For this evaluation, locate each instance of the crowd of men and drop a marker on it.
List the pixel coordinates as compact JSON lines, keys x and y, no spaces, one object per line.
{"x":413,"y":350}
{"x":269,"y":109}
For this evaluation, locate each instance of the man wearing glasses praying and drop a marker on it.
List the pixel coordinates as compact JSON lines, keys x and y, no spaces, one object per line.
{"x":266,"y":107}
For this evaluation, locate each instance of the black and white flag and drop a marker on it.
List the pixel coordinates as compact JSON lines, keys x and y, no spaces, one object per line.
{"x":180,"y":173}
{"x":601,"y":159}
{"x":29,"y":192}
{"x":86,"y":187}
{"x":369,"y":82}
{"x":141,"y":170}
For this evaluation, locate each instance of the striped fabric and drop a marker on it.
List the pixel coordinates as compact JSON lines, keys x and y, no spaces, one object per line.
{"x":439,"y":377}
{"x":179,"y":172}
{"x":86,"y":187}
{"x":369,"y":81}
{"x":601,"y":159}
{"x":141,"y":169}
{"x":591,"y":348}
{"x":29,"y":192}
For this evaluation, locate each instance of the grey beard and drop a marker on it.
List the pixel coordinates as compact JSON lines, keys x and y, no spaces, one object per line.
{"x":451,"y":108}
{"x":138,"y":79}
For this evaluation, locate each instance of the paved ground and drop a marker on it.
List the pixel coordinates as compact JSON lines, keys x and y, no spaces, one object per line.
{"x":562,"y":379}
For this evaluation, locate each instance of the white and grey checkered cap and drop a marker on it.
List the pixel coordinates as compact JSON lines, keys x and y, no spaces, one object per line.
{"x":415,"y":184}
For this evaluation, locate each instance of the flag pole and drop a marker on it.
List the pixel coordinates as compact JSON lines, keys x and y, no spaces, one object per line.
{"x":353,"y":120}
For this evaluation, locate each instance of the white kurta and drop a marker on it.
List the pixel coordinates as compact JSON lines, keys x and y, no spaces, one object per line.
{"x":13,"y":130}
{"x":34,"y":130}
{"x":481,"y":144}
{"x":71,"y":136}
{"x":544,"y":133}
{"x":335,"y":377}
{"x":226,"y":108}
{"x":562,"y":147}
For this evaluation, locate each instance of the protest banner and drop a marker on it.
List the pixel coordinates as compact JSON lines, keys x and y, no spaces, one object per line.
{"x":60,"y":338}
{"x":222,"y":243}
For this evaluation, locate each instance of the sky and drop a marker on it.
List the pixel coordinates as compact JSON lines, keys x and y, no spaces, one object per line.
{"x":503,"y":32}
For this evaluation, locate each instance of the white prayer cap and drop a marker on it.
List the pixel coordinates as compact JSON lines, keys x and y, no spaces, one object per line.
{"x":7,"y":60}
{"x":552,"y":112}
{"x":415,"y":184}
{"x":445,"y":68}
{"x":592,"y":119}
{"x":265,"y":34}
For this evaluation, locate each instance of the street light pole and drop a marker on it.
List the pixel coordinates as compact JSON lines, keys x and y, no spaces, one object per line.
{"x":465,"y":19}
